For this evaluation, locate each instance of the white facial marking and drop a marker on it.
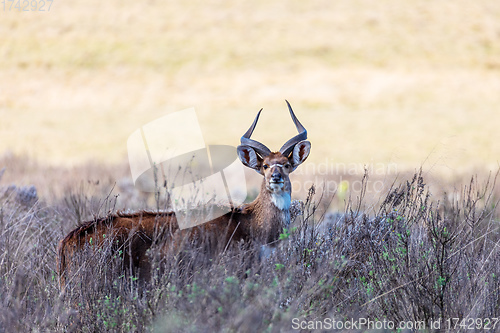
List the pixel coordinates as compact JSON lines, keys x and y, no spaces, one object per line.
{"x":276,"y":187}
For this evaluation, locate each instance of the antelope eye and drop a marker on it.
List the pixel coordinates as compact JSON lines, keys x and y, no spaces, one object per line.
{"x":266,"y":166}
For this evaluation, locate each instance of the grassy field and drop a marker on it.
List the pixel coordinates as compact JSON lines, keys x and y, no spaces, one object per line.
{"x":388,"y":85}
{"x":410,"y":263}
{"x":374,"y":82}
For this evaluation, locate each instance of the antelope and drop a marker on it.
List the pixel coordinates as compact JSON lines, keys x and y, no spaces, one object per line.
{"x":259,"y":222}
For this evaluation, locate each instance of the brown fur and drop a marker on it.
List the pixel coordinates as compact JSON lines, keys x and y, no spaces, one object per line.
{"x":134,"y":233}
{"x":131,"y":233}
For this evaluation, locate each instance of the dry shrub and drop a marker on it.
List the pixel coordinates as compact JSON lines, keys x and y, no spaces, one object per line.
{"x":412,"y":257}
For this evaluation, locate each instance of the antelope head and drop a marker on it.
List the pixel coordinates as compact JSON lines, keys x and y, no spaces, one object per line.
{"x":275,"y":166}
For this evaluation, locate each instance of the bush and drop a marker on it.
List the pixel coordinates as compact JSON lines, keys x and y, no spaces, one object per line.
{"x":410,"y":259}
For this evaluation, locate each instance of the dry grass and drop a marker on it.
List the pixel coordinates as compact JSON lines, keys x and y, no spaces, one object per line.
{"x":373,"y":81}
{"x":411,"y":257}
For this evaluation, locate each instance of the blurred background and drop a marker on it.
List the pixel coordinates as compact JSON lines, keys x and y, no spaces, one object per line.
{"x":386,"y":84}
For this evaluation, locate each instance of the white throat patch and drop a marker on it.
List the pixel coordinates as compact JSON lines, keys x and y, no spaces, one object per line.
{"x":281,"y":200}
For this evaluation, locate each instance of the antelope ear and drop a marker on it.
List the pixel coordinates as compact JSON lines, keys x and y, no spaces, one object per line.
{"x":249,"y":157}
{"x":300,"y":153}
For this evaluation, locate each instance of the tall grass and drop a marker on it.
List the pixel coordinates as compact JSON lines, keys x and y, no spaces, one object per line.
{"x":411,"y":258}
